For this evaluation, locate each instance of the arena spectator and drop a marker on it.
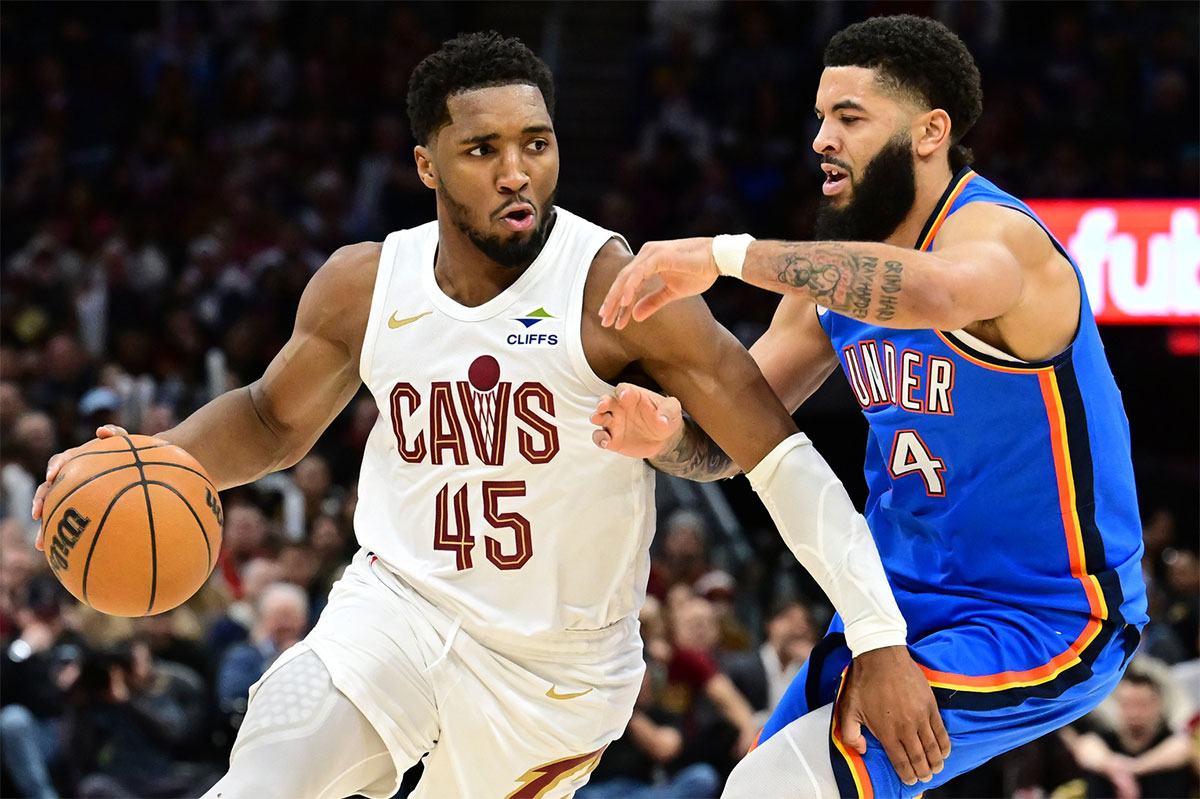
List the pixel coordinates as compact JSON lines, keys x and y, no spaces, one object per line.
{"x":281,"y":619}
{"x":763,"y":675}
{"x":1141,"y":755}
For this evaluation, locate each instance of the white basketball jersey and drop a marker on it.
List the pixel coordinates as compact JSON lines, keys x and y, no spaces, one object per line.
{"x":480,"y":485}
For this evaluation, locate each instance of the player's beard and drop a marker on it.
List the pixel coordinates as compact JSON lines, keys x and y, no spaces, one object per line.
{"x":509,"y":252}
{"x":882,"y":197}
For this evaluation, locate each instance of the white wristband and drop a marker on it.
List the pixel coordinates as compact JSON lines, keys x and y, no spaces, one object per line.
{"x":730,"y":253}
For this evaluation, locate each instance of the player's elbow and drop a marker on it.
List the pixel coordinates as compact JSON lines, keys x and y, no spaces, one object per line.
{"x":283,"y":443}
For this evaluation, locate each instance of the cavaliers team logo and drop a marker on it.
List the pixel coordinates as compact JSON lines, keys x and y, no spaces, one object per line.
{"x":485,"y":399}
{"x":479,"y":409}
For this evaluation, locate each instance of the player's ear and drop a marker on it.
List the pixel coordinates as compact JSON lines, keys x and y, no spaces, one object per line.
{"x":425,"y":168}
{"x":930,"y":131}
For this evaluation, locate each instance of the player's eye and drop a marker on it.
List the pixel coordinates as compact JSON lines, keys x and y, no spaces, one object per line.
{"x":480,"y":150}
{"x":850,"y":120}
{"x":538,"y":145}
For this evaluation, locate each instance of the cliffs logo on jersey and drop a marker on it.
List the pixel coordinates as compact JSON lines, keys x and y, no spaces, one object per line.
{"x":535,"y":334}
{"x":436,"y":424}
{"x":908,"y":379}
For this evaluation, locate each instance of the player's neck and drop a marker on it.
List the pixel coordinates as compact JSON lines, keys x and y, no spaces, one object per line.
{"x":932,"y":181}
{"x":464,"y":273}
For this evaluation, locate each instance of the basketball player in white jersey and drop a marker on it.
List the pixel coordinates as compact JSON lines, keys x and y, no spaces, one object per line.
{"x":489,"y":622}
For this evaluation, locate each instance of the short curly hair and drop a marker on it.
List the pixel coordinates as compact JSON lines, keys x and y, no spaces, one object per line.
{"x":920,"y":58}
{"x":466,"y":62}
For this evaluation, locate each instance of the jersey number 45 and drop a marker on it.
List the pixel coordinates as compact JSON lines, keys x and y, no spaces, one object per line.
{"x":461,"y":542}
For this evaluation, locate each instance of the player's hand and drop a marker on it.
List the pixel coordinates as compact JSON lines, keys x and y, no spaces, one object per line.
{"x":55,"y":466}
{"x":888,"y":693}
{"x":637,"y":422}
{"x":685,"y":268}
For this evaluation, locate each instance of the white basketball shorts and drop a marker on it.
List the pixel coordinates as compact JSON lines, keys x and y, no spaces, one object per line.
{"x":490,"y":720}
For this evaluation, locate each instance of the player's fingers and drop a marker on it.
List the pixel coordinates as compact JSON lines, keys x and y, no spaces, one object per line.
{"x":932,"y":750}
{"x":54,"y":466}
{"x":612,"y":300}
{"x":601,"y":439}
{"x":636,"y":273}
{"x":900,"y":762}
{"x":622,"y":317}
{"x":39,"y":500}
{"x":650,"y":304}
{"x":40,"y":543}
{"x":628,"y":396}
{"x":671,"y":407}
{"x":939,"y":733}
{"x":851,"y":727}
{"x":110,"y":430}
{"x":911,"y":741}
{"x":601,"y":419}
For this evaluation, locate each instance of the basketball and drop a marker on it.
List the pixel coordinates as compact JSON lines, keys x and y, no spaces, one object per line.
{"x":132,"y":525}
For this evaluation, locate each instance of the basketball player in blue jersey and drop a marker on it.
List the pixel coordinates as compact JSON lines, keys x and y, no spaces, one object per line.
{"x":488,"y":625}
{"x":1001,"y":488}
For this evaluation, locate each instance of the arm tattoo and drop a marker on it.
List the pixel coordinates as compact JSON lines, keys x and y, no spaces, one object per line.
{"x":696,"y":457}
{"x":842,"y":280}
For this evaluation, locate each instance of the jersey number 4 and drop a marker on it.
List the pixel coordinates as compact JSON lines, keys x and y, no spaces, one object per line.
{"x":909,"y":454}
{"x":461,"y":542}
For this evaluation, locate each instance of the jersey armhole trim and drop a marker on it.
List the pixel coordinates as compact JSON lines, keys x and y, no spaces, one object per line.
{"x":383,"y":280}
{"x":574,"y":331}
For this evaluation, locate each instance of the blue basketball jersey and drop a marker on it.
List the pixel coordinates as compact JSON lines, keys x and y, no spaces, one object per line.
{"x":997,"y":484}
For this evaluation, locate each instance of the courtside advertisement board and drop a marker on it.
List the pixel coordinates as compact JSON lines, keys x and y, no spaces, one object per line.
{"x":1140,"y":258}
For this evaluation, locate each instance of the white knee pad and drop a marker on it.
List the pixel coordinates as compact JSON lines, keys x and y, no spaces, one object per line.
{"x":794,"y":762}
{"x":303,"y":738}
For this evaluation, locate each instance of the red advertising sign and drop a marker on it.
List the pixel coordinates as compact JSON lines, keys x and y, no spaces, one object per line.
{"x":1140,"y":259}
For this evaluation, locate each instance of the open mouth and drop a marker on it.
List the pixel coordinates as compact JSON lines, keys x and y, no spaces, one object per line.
{"x":835,"y":179}
{"x":518,"y":217}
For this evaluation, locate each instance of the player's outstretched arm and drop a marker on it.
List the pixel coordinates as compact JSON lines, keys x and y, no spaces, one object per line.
{"x":693,"y":358}
{"x":979,"y":277}
{"x":269,"y":425}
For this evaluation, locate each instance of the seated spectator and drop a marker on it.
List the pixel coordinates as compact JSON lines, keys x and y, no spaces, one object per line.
{"x":701,"y":693}
{"x":244,"y":538}
{"x":638,"y":765}
{"x":38,"y":667}
{"x":334,"y":548}
{"x":134,"y":717}
{"x":281,"y":621}
{"x":683,"y":558}
{"x":1142,"y":755}
{"x":763,"y":675}
{"x":174,"y":637}
{"x":720,"y":589}
{"x":234,"y":626}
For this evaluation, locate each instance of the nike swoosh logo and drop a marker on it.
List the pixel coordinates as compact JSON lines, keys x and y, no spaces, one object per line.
{"x":556,"y":695}
{"x":394,"y":323}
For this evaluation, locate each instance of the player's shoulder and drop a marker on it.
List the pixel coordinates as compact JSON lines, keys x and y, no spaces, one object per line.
{"x":991,"y":222}
{"x":350,"y":267}
{"x":610,"y":259}
{"x":339,"y":294}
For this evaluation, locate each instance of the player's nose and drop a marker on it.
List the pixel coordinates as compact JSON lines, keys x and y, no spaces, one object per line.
{"x":825,"y":142}
{"x":513,"y":176}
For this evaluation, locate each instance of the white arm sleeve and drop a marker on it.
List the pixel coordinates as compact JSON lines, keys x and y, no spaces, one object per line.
{"x":830,"y":538}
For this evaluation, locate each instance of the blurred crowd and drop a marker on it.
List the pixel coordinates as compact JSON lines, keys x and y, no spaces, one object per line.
{"x":171,"y":175}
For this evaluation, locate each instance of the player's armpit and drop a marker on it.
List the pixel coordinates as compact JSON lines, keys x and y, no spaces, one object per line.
{"x":269,"y":425}
{"x":795,"y":354}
